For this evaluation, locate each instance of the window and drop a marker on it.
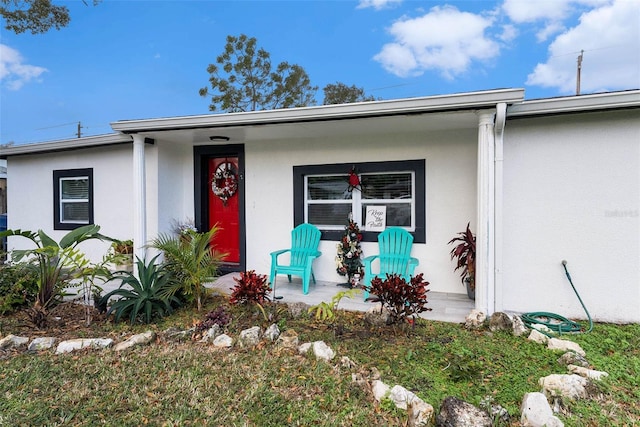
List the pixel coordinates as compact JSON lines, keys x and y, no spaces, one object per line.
{"x":72,"y":198}
{"x":322,"y":196}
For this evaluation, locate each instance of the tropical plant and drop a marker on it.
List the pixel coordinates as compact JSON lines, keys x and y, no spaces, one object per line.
{"x":36,"y":16}
{"x":192,"y":260}
{"x":219,"y":317}
{"x":55,"y":264}
{"x":122,"y":247}
{"x":250,"y":288}
{"x":465,"y":254}
{"x":327,"y":311}
{"x":400,"y":298}
{"x":243,"y":80}
{"x":143,"y":297}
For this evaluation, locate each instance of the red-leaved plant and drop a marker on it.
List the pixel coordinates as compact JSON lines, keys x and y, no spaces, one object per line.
{"x":465,"y":254}
{"x":400,"y":298}
{"x":250,"y":288}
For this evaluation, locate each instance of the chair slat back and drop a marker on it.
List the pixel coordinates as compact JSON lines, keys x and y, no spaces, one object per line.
{"x":395,"y":250}
{"x":305,"y":240}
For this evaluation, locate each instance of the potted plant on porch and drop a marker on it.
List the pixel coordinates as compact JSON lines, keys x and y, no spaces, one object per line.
{"x":464,"y":252}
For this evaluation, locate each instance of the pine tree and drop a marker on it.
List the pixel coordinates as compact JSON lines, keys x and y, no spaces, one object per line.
{"x":348,"y":260}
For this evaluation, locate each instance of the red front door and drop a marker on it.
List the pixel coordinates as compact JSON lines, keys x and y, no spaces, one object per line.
{"x":224,"y":207}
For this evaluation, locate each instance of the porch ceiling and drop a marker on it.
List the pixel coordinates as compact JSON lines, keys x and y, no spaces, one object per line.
{"x":405,"y":123}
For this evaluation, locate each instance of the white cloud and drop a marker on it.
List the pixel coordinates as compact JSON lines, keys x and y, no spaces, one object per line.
{"x":610,"y":38}
{"x":445,"y":39}
{"x":378,"y":4}
{"x":509,"y":32}
{"x":14,"y":73}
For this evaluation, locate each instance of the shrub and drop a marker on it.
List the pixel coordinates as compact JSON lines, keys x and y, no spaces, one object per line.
{"x":400,"y":298}
{"x":144,"y":298}
{"x":18,"y":286}
{"x":219,"y":317}
{"x":250,"y":288}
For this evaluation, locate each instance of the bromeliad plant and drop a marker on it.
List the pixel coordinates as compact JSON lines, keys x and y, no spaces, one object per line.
{"x":250,"y":288}
{"x":192,"y":260}
{"x":55,"y":264}
{"x":465,"y":254}
{"x":144,"y":297}
{"x":400,"y":298}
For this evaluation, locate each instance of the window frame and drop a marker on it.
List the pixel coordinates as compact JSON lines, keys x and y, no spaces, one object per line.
{"x":66,"y":174}
{"x":417,"y":167}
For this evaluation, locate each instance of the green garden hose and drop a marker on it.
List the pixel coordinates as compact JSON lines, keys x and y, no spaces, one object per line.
{"x":555,"y":322}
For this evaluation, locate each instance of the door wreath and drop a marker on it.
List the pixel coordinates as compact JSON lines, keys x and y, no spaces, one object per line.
{"x":225,"y":182}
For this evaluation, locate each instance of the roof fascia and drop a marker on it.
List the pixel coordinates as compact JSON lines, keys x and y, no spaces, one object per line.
{"x":578,"y":103}
{"x":461,"y":101}
{"x":64,"y":145}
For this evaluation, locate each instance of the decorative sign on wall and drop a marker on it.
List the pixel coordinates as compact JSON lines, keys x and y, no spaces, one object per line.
{"x":376,"y":218}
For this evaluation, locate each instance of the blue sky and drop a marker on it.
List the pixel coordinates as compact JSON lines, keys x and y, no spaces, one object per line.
{"x":147,"y":59}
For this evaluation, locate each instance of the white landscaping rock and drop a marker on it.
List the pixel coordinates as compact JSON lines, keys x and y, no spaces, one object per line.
{"x":401,"y":396}
{"x":223,"y":341}
{"x":587,"y":373}
{"x":250,"y":337}
{"x":380,"y":390}
{"x":419,"y":413}
{"x":136,"y":340}
{"x":41,"y":343}
{"x":272,"y":333}
{"x":80,"y":343}
{"x":536,"y":412}
{"x":475,"y":319}
{"x":304,"y":348}
{"x":538,"y":337}
{"x":323,"y":351}
{"x":564,"y":345}
{"x":12,"y":341}
{"x":518,"y":326}
{"x":563,"y":385}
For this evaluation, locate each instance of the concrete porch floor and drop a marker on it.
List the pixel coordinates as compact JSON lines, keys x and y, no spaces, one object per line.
{"x":445,"y":307}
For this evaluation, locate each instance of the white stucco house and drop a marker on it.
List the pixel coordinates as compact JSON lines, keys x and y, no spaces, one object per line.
{"x":540,"y":181}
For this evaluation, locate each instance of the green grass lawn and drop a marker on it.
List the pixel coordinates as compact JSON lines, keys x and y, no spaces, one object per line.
{"x":171,"y":384}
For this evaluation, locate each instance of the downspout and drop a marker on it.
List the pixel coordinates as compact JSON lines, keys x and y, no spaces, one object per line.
{"x":495,"y":292}
{"x":139,"y":199}
{"x":485,"y":211}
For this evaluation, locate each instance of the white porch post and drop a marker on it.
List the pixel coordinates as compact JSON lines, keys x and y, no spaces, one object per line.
{"x":485,"y":222}
{"x":139,"y":198}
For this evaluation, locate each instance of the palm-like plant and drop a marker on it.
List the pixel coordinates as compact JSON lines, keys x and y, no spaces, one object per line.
{"x":465,"y":254}
{"x":192,"y":260}
{"x":143,"y":296}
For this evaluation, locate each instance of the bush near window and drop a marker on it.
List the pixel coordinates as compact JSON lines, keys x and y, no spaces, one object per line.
{"x":18,"y":287}
{"x":402,"y":299}
{"x":250,"y":288}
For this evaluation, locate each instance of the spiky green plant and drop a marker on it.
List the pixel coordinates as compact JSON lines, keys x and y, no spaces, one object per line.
{"x":192,"y":260}
{"x":143,"y":297}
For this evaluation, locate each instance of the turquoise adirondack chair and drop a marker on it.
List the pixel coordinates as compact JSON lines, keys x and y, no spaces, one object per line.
{"x":394,"y":245}
{"x":305,"y":240}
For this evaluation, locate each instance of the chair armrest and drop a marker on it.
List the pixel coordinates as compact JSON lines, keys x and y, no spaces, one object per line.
{"x":413,"y":263}
{"x":280,"y":252}
{"x":370,"y":259}
{"x":315,"y":254}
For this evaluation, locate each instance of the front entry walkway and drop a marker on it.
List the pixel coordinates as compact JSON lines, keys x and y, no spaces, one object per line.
{"x":445,"y":307}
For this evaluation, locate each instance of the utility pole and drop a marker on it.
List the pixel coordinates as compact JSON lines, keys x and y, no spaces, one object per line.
{"x":579,"y":72}
{"x":79,"y":131}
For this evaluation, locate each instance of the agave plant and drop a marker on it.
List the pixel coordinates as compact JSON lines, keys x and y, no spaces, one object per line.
{"x":465,"y":254}
{"x":143,"y":297}
{"x":192,"y":260}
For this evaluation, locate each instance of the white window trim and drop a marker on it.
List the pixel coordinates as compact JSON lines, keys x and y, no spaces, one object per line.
{"x":64,"y":202}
